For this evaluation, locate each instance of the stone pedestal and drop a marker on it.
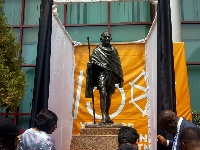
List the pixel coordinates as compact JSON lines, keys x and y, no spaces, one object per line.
{"x":96,"y":138}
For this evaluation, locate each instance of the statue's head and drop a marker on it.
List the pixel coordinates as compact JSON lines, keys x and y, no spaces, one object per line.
{"x":105,"y":38}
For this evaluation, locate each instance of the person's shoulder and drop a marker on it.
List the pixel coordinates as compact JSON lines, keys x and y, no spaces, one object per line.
{"x":126,"y":147}
{"x":187,"y":123}
{"x":27,"y":131}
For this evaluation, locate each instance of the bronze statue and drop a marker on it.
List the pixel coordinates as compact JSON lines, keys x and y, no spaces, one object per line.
{"x":104,"y":71}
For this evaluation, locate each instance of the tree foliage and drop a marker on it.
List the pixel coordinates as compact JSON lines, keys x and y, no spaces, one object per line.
{"x":196,"y":117}
{"x":12,"y":78}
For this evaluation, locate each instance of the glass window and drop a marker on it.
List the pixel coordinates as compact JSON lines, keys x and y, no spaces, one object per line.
{"x":190,"y":31}
{"x":190,"y":10}
{"x":190,"y":35}
{"x":87,"y":13}
{"x":192,"y":50}
{"x":193,"y":76}
{"x":30,"y":35}
{"x":32,"y":12}
{"x":60,"y":11}
{"x":2,"y":109}
{"x":29,"y":46}
{"x":16,"y":32}
{"x":134,"y":11}
{"x":129,"y":33}
{"x":12,"y":11}
{"x":26,"y":103}
{"x":23,"y":122}
{"x":29,"y":53}
{"x":80,"y":34}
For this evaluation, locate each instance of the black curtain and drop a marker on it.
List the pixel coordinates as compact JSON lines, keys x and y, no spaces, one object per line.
{"x":166,"y":97}
{"x":42,"y":70}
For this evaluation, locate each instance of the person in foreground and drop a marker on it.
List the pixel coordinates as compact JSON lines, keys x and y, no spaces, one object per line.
{"x":37,"y":137}
{"x":172,"y":124}
{"x":104,"y":70}
{"x":190,"y":139}
{"x":8,"y":134}
{"x":128,"y":138}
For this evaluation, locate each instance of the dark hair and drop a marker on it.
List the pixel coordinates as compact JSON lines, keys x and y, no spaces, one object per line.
{"x":190,"y":134}
{"x":8,"y":129}
{"x":127,"y":135}
{"x":165,"y":116}
{"x":8,"y":144}
{"x":45,"y":120}
{"x":8,"y":134}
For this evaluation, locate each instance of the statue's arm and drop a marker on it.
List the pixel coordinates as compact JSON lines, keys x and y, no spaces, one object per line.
{"x":88,"y":89}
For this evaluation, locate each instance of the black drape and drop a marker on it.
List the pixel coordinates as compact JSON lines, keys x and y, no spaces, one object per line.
{"x":166,"y":97}
{"x":42,"y":70}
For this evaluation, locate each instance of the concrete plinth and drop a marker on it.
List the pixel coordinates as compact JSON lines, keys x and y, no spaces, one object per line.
{"x":92,"y":138}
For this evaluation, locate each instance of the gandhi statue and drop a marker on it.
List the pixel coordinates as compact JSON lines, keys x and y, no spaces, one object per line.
{"x":104,"y":71}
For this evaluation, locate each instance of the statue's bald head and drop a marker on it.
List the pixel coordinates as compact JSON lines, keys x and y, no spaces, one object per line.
{"x":105,"y":33}
{"x":105,"y":39}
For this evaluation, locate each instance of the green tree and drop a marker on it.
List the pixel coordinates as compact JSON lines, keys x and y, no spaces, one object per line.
{"x":12,"y":78}
{"x":196,"y":117}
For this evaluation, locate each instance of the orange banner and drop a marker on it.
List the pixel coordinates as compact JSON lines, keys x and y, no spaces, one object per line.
{"x":129,"y":104}
{"x":181,"y":78}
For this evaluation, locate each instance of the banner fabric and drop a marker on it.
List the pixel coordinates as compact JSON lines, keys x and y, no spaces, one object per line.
{"x":129,"y":104}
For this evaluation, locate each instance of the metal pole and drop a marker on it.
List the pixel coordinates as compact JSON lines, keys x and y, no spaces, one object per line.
{"x":91,"y":81}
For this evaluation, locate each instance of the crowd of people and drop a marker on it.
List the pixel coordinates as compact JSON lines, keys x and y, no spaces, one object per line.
{"x":186,"y":135}
{"x":178,"y":127}
{"x":36,"y":138}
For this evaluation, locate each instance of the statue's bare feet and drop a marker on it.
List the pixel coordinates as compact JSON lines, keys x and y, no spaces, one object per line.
{"x":108,"y":120}
{"x":102,"y":122}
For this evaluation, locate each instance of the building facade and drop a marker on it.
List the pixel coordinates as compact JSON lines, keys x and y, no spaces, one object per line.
{"x":127,"y":21}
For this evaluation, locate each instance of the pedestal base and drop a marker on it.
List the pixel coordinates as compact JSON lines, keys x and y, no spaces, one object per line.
{"x":95,"y":137}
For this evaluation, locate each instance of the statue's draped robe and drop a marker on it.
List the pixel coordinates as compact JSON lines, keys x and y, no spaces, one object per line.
{"x":103,"y":58}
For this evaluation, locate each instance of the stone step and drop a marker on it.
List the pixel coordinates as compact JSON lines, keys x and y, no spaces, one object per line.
{"x":96,"y":137}
{"x":94,"y":142}
{"x":99,"y":131}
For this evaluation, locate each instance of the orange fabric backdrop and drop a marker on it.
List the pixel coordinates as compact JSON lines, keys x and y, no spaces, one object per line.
{"x":128,"y":104}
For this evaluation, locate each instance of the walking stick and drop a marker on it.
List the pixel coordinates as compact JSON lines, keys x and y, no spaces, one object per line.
{"x":91,"y":81}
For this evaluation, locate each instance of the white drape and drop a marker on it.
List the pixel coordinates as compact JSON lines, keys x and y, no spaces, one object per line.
{"x":61,"y":83}
{"x":151,"y":65}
